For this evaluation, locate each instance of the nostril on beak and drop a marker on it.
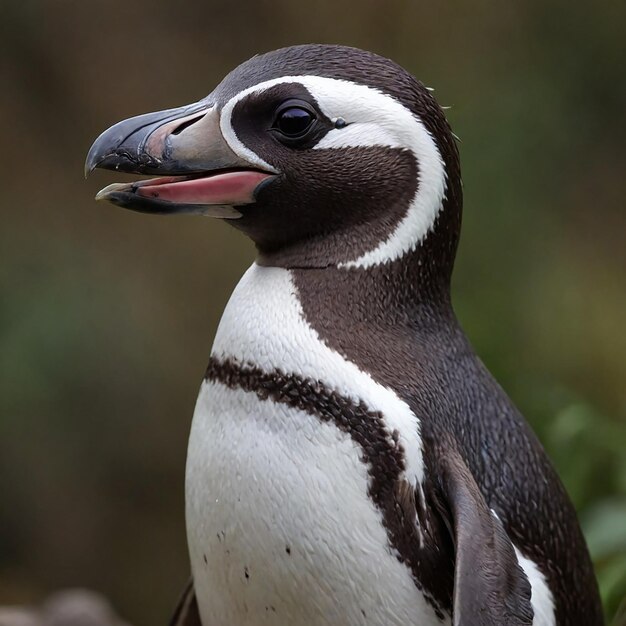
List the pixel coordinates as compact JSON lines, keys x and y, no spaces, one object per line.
{"x":186,"y":124}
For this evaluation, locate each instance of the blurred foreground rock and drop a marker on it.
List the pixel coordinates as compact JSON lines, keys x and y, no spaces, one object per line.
{"x":73,"y":607}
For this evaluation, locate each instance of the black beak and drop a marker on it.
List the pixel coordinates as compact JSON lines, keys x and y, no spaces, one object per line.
{"x":186,"y":145}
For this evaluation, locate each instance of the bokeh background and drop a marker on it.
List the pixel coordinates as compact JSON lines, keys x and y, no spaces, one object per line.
{"x":107,"y":317}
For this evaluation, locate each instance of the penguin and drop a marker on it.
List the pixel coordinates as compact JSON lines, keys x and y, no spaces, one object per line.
{"x":351,"y":460}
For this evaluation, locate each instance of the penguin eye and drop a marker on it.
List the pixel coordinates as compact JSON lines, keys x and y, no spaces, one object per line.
{"x":293,"y":121}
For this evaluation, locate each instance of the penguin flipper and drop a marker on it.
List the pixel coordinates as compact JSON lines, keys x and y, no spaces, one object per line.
{"x":490,"y":588}
{"x":186,"y":612}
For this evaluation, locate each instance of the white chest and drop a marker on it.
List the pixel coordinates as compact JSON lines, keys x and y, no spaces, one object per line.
{"x":280,"y":524}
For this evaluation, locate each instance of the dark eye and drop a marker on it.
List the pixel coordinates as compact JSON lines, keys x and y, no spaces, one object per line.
{"x":294,"y":121}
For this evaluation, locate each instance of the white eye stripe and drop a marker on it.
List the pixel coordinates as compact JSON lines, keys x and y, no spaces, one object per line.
{"x":373,"y":119}
{"x":362,"y":134}
{"x":372,"y":130}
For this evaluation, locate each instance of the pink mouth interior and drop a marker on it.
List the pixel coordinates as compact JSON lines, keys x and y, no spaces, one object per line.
{"x":230,"y":188}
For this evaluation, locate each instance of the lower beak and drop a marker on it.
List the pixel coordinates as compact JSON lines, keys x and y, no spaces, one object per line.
{"x":199,"y":172}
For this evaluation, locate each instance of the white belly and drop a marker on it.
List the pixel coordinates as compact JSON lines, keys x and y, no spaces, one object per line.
{"x":281,"y":529}
{"x":280,"y":525}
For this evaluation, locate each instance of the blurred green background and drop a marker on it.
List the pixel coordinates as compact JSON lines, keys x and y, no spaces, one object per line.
{"x":107,"y":317}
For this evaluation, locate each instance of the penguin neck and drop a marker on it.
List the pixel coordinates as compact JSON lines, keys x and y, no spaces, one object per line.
{"x":410,"y":292}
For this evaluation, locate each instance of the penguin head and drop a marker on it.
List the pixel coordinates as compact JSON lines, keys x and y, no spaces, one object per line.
{"x":323,"y":155}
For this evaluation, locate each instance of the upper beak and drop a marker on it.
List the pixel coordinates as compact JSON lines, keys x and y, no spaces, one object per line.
{"x":203,"y":174}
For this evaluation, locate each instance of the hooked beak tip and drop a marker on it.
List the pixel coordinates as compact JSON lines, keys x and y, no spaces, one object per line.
{"x":91,"y":162}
